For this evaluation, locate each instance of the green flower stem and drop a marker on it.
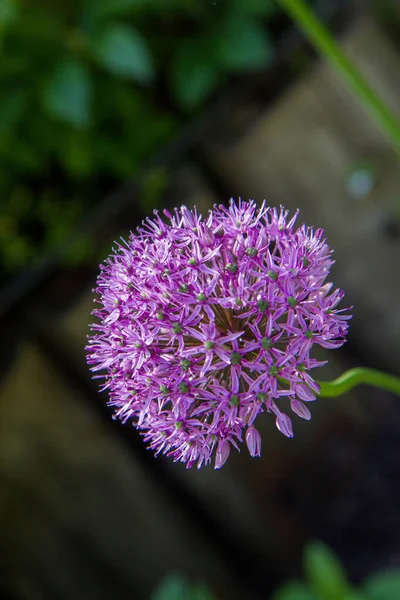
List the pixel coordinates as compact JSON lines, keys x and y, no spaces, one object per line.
{"x":359,"y":376}
{"x":326,"y":45}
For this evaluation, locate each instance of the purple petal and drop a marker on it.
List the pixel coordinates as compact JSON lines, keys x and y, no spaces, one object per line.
{"x":253,"y":441}
{"x":304,"y":392}
{"x":300,"y":409}
{"x":223,"y":451}
{"x":284,"y":424}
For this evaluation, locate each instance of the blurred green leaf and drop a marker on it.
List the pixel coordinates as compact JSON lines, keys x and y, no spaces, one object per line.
{"x":294,"y":591}
{"x":264,"y":8}
{"x":21,"y":154}
{"x":68,"y":95}
{"x":103,"y":126}
{"x":325,"y":574}
{"x":356,"y":595}
{"x":199,"y":591}
{"x":383,"y":586}
{"x":75,"y":151}
{"x":108,"y":8}
{"x":174,"y":587}
{"x":243,"y":45}
{"x":8,"y":11}
{"x":192,"y":78}
{"x":123,"y":51}
{"x":12,"y":106}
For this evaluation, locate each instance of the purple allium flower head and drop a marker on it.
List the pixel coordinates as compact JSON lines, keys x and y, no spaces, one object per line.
{"x":206,"y":323}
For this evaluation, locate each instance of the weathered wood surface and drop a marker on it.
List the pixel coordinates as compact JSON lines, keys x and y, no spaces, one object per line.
{"x":81,"y":517}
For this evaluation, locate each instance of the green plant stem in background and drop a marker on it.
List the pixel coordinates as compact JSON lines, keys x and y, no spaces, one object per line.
{"x":327,"y":47}
{"x":359,"y":376}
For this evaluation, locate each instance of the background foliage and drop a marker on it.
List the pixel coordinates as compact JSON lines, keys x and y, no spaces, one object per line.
{"x":89,"y":89}
{"x":326,"y":579}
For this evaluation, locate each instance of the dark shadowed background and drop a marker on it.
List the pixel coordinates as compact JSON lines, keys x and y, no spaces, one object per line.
{"x":108,"y":110}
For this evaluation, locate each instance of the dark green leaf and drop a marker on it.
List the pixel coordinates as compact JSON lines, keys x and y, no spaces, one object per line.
{"x":192,"y":79}
{"x":68,"y":95}
{"x":325,"y":574}
{"x":243,"y":45}
{"x":123,"y":51}
{"x":294,"y":591}
{"x":383,"y":586}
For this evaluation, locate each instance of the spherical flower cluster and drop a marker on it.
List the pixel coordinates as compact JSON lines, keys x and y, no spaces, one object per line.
{"x":206,"y":323}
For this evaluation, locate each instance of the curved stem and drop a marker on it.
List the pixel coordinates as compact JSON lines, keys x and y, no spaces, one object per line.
{"x":359,"y":376}
{"x":327,"y":47}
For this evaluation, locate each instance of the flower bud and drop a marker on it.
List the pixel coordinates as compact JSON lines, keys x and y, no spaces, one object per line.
{"x":253,"y":441}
